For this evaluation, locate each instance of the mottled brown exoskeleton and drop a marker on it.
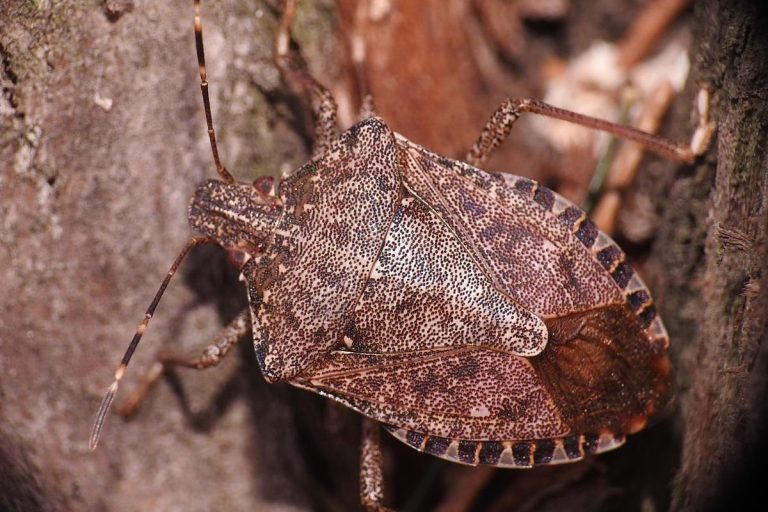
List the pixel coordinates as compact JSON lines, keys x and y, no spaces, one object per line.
{"x":479,"y":317}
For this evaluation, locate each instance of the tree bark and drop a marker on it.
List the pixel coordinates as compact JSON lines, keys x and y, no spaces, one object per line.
{"x":102,"y":140}
{"x":714,"y":250}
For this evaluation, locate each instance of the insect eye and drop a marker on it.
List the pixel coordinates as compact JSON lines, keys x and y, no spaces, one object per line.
{"x":264,"y":184}
{"x":236,"y":258}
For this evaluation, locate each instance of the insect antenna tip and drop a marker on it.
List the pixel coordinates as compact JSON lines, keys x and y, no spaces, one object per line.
{"x":98,"y":425}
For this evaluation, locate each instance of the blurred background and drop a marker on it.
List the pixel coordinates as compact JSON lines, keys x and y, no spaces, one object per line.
{"x":102,"y":141}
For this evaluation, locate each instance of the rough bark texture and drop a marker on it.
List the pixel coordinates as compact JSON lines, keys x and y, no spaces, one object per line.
{"x":721,"y":284}
{"x":102,"y":140}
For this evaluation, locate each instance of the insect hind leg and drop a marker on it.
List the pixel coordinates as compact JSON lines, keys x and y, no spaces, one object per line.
{"x":371,"y":474}
{"x":218,"y":347}
{"x":500,"y":125}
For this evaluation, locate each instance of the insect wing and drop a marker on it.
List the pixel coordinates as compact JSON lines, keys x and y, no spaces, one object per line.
{"x":514,"y":235}
{"x":605,"y":364}
{"x":425,"y":292}
{"x":463,"y":392}
{"x":336,"y":212}
{"x":603,"y":369}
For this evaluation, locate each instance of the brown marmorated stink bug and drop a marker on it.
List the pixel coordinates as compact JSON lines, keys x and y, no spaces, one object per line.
{"x":378,"y":261}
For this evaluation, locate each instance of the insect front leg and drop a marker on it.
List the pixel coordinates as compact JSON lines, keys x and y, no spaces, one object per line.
{"x":293,"y":70}
{"x":218,"y":347}
{"x":371,"y":474}
{"x":499,"y":126}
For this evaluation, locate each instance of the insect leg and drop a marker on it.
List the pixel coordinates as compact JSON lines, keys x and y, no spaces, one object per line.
{"x":371,"y":475}
{"x":218,"y":347}
{"x":499,"y":126}
{"x":323,"y":105}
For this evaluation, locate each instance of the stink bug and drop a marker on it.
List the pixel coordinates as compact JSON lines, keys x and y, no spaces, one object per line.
{"x":479,"y":317}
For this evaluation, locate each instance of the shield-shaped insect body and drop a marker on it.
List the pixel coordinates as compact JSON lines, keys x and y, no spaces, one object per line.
{"x":481,"y":317}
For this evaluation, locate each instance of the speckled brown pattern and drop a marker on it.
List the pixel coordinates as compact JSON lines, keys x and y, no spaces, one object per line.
{"x":466,"y":393}
{"x":336,"y":211}
{"x":525,"y":250}
{"x":435,"y":298}
{"x":483,"y":317}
